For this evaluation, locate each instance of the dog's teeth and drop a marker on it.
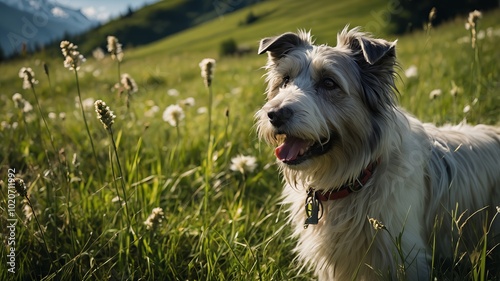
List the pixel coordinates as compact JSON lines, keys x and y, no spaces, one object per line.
{"x":302,"y":151}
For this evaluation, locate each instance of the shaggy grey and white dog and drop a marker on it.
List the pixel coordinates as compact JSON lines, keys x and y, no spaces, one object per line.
{"x":370,"y":188}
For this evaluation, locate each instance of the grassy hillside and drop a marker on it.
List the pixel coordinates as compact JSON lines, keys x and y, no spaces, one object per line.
{"x":219,"y":223}
{"x":153,"y":22}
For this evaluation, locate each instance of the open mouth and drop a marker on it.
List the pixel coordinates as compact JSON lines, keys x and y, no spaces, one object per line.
{"x":295,"y":150}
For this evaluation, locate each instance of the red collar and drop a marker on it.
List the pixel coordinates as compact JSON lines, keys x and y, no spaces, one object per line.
{"x":313,"y":205}
{"x":348,"y":188}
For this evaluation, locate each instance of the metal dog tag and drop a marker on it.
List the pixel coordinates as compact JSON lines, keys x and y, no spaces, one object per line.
{"x":312,"y":206}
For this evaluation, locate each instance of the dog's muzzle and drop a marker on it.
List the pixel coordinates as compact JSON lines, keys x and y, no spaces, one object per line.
{"x":294,"y":149}
{"x":279,"y":117}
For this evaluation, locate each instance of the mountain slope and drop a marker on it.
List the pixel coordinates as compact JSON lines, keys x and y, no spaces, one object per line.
{"x":157,"y":21}
{"x":324,"y":18}
{"x":27,"y":25}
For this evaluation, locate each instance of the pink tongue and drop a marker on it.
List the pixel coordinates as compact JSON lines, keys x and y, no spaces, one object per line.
{"x":290,"y":149}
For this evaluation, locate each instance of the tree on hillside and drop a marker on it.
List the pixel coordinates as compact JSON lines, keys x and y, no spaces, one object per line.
{"x":414,"y":14}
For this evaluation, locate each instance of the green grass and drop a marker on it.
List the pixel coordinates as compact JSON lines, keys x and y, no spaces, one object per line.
{"x":233,"y":230}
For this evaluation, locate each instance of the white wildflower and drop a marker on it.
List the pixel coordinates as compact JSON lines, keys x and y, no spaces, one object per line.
{"x":471,"y":25}
{"x":411,"y":72}
{"x":188,"y":101}
{"x":115,"y":48}
{"x":129,"y":83}
{"x":202,"y":110}
{"x":104,"y":114}
{"x":28,"y":76}
{"x":243,"y":164}
{"x":207,"y":67}
{"x":377,"y":225}
{"x":98,"y":53}
{"x":155,"y":218}
{"x":87,"y":103}
{"x":173,"y":114}
{"x":72,"y":57}
{"x":435,"y":93}
{"x":21,"y":103}
{"x":173,"y":92}
{"x":152,"y":111}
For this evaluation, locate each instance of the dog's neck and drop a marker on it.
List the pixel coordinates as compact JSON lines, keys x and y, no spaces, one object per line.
{"x":314,"y":207}
{"x":347,"y":188}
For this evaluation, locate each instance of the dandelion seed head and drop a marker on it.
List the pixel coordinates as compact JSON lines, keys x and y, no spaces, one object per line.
{"x":173,"y":114}
{"x":202,"y":110}
{"x":27,"y":107}
{"x":188,"y":101}
{"x":152,"y":111}
{"x":411,"y":72}
{"x":87,"y":103}
{"x":21,"y":103}
{"x":104,"y":114}
{"x":435,"y":93}
{"x":207,"y":67}
{"x":28,"y":76}
{"x":173,"y":92}
{"x":243,"y":164}
{"x":466,"y":109}
{"x":236,"y":91}
{"x":129,"y":83}
{"x":115,"y":48}
{"x":18,"y":100}
{"x":98,"y":54}
{"x":155,"y":218}
{"x":52,"y":115}
{"x":62,"y":115}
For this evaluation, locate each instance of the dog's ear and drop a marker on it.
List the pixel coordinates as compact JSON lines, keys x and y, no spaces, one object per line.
{"x":278,"y":46}
{"x":372,"y":49}
{"x":375,"y":49}
{"x":376,"y":59}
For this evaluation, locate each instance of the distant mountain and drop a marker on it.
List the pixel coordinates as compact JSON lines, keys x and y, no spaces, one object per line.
{"x":29,"y":24}
{"x":156,"y":21}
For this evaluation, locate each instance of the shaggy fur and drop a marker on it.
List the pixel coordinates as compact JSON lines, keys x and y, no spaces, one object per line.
{"x":331,"y":111}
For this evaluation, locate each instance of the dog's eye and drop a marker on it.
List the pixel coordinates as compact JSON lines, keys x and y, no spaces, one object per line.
{"x":328,"y":83}
{"x":286,"y":79}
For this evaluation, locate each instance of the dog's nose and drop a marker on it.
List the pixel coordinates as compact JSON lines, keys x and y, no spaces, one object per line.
{"x":278,"y":117}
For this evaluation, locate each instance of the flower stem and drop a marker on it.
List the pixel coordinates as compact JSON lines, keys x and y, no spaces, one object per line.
{"x":42,"y":234}
{"x":209,"y":151}
{"x":122,"y":179}
{"x":87,"y":127}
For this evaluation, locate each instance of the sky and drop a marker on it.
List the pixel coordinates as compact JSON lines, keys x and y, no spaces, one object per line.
{"x":103,"y":10}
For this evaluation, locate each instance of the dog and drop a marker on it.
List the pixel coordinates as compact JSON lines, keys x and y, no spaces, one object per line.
{"x":372,"y":192}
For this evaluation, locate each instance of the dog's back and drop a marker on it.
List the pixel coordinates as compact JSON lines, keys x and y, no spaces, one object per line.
{"x":464,"y":184}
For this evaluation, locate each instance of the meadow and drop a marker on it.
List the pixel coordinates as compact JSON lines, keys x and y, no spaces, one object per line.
{"x":91,"y":206}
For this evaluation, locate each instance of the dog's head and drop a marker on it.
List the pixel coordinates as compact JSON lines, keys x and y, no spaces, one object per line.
{"x":327,"y":106}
